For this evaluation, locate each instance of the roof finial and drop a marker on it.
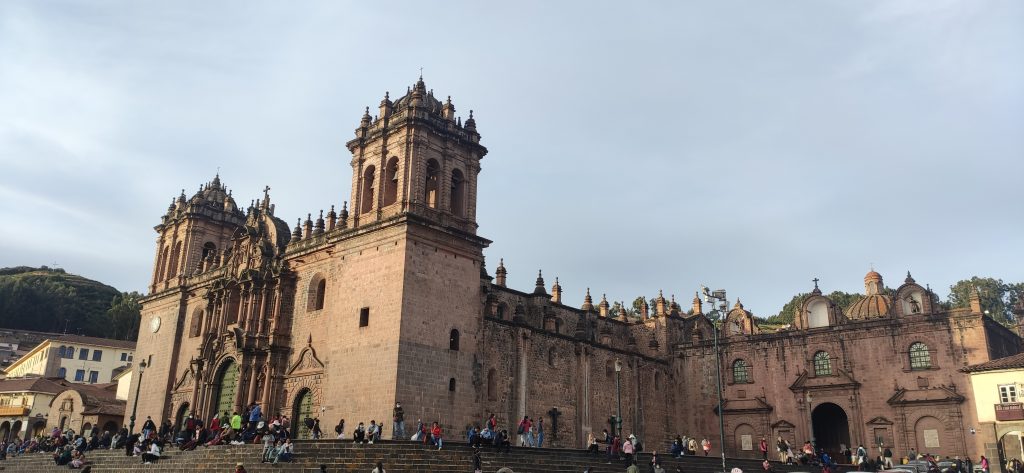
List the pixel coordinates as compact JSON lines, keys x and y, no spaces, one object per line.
{"x":421,"y":74}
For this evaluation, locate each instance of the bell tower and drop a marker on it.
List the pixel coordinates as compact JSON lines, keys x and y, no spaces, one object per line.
{"x":195,"y":232}
{"x":415,"y":157}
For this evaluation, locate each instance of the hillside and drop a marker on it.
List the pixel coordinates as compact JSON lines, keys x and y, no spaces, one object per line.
{"x":52,"y":300}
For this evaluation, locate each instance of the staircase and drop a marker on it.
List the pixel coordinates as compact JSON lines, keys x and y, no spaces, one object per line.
{"x":398,"y":457}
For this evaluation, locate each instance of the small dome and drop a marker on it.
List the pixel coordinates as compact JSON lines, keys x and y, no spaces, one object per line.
{"x":872,"y":276}
{"x":870,"y":306}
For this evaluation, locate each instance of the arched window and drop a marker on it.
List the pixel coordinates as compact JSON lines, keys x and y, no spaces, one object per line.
{"x":161,"y":265}
{"x":62,"y":372}
{"x":822,"y":364}
{"x":492,"y":385}
{"x":430,"y":188}
{"x":60,"y":351}
{"x":369,"y":180}
{"x":391,"y":182}
{"x":551,"y":356}
{"x":209,"y":249}
{"x":453,"y":340}
{"x":451,"y":384}
{"x":502,"y":308}
{"x":740,"y":374}
{"x":458,"y":193}
{"x":197,"y":323}
{"x":69,"y":352}
{"x":920,"y":356}
{"x":172,"y":268}
{"x":316,"y":293}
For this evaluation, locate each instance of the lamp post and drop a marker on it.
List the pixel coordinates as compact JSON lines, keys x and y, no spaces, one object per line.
{"x":715,"y":315}
{"x":135,"y":406}
{"x":618,"y":397}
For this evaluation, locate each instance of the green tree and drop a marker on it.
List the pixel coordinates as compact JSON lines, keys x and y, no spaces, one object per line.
{"x":124,"y":315}
{"x":997,"y":297}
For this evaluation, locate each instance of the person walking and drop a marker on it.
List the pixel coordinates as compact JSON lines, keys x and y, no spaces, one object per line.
{"x":398,"y":418}
{"x":521,"y":430}
{"x":692,"y":446}
{"x":317,"y":433}
{"x":340,"y":429}
{"x":477,"y":462}
{"x":887,"y":458}
{"x":783,"y":447}
{"x":540,"y":432}
{"x":706,"y":445}
{"x":763,"y":446}
{"x":984,"y":464}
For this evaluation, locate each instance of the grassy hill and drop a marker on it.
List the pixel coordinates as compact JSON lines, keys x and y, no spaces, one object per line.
{"x":52,"y":300}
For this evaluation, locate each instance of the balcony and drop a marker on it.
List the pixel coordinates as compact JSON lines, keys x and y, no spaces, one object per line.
{"x":1009,"y":411}
{"x":13,"y":411}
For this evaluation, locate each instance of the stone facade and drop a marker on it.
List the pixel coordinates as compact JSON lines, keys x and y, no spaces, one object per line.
{"x":391,"y":301}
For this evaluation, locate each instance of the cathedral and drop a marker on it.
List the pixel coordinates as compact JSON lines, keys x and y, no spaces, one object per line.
{"x":389,"y":300}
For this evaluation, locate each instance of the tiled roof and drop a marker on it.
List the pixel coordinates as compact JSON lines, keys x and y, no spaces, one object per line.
{"x":37,"y":385}
{"x":103,"y":342}
{"x":1005,"y":363}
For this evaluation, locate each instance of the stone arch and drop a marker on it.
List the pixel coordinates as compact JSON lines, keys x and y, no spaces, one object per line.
{"x":390,"y":193}
{"x":743,"y":438}
{"x":86,"y":428}
{"x":369,"y":180}
{"x":316,"y":294}
{"x":930,"y":435}
{"x":458,"y":193}
{"x":162,"y":264}
{"x":182,"y":414}
{"x":209,"y":250}
{"x":110,"y":426}
{"x":431,"y":187}
{"x":5,"y":430}
{"x":831,"y":427}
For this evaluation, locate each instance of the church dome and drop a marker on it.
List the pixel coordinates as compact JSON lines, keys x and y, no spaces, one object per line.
{"x":869,"y":307}
{"x":875,"y":303}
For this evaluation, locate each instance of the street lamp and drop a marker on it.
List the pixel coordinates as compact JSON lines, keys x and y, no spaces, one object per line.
{"x":717,"y":313}
{"x":618,"y":397}
{"x":135,"y":407}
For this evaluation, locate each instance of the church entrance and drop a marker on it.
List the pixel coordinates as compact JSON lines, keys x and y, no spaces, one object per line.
{"x":182,"y":415}
{"x":302,"y":409}
{"x":227,"y":386}
{"x":831,"y":429}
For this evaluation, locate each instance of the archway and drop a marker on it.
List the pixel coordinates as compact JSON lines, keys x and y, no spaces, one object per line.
{"x":110,"y":426}
{"x":5,"y":430}
{"x":1010,"y":445}
{"x":39,"y":428}
{"x":831,"y":428}
{"x":63,"y":422}
{"x":86,"y":428}
{"x":226,"y":387}
{"x":302,"y":409}
{"x":183,"y":411}
{"x":16,"y":429}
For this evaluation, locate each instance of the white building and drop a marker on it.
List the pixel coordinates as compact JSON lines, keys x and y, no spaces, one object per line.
{"x":75,"y":358}
{"x":25,"y":405}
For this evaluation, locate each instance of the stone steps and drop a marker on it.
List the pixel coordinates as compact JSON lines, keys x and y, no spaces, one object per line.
{"x":398,"y":457}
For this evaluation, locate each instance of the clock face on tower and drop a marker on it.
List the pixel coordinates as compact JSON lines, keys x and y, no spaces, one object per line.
{"x":154,"y":323}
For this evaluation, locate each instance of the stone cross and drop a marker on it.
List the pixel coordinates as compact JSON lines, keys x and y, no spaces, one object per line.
{"x":554,"y":422}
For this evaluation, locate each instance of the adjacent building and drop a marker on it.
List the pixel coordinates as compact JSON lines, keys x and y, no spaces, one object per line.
{"x":996,"y":387}
{"x":25,"y":405}
{"x":82,"y":407}
{"x":75,"y":358}
{"x":389,"y":300}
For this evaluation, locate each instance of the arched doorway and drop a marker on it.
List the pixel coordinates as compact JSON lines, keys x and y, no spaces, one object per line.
{"x":831,"y":428}
{"x":183,"y":411}
{"x":63,"y":422}
{"x":16,"y":429}
{"x":5,"y":430}
{"x":302,"y":409}
{"x":1010,"y":445}
{"x":86,"y":428}
{"x":110,"y":426}
{"x":227,"y":386}
{"x":39,"y":428}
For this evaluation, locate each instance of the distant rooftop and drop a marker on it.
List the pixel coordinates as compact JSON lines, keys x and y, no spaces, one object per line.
{"x":1004,"y":363}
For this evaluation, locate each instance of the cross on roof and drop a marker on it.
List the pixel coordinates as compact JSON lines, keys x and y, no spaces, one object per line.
{"x":815,"y":282}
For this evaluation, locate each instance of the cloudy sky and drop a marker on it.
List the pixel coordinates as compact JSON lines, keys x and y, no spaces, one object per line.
{"x":634,"y":146}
